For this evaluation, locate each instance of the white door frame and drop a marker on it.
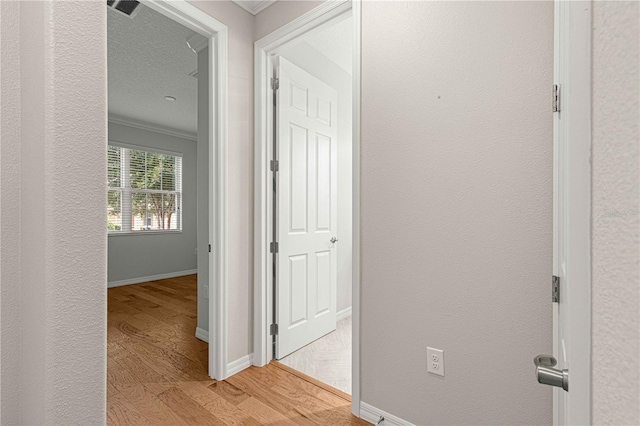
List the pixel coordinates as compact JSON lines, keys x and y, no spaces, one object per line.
{"x":217,"y":35}
{"x":265,"y":48}
{"x":572,"y":164}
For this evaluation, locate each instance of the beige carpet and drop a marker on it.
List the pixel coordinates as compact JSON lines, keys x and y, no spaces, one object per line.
{"x":328,"y":359}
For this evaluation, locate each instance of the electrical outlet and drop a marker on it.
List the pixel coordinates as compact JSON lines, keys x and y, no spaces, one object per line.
{"x":435,"y":361}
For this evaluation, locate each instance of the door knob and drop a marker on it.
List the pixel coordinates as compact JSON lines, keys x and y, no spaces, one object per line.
{"x":547,"y":375}
{"x":333,"y":240}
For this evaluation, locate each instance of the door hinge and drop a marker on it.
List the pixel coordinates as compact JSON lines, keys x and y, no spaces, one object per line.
{"x":556,"y":98}
{"x":275,"y":84}
{"x":209,"y":248}
{"x":275,"y":166}
{"x":273,"y":247}
{"x":273,"y":330}
{"x":555,"y":289}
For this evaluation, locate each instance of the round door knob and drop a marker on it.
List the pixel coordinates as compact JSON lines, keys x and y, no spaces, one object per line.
{"x":333,"y":240}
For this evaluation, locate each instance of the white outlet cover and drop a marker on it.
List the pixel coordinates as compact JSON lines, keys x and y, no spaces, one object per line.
{"x":435,"y":361}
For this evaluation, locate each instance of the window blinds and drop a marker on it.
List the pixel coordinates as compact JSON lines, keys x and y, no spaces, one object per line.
{"x":144,"y":190}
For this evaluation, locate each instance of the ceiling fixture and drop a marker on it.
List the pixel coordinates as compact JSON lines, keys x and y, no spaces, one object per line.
{"x":169,"y":98}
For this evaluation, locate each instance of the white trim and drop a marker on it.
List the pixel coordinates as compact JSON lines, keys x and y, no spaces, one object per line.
{"x":254,"y":7}
{"x":202,"y":334}
{"x":572,"y":193}
{"x":150,"y":127}
{"x":345,"y":313}
{"x":323,"y":15}
{"x":197,"y":42}
{"x":355,"y":250}
{"x":139,"y":280}
{"x":239,"y":364}
{"x":190,"y":16}
{"x":373,"y":414}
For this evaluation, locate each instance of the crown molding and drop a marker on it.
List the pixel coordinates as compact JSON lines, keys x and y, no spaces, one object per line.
{"x":197,"y":42}
{"x":143,"y":125}
{"x":254,"y":7}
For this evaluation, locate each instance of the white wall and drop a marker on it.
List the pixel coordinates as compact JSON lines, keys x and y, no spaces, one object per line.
{"x":456,"y":209}
{"x":279,"y":14}
{"x":139,"y":256}
{"x":53,"y":156}
{"x":318,"y":65}
{"x":616,"y":233}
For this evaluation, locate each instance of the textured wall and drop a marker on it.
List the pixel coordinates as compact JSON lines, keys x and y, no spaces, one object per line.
{"x":456,"y":209}
{"x":240,"y":173}
{"x":10,"y":212}
{"x":616,"y":245}
{"x":134,"y":256}
{"x":55,"y":152}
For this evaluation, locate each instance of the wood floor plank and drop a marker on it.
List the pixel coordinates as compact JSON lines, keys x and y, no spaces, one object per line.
{"x":229,"y":392}
{"x":157,"y":370}
{"x":188,"y":409}
{"x":150,"y":406}
{"x":227,"y":412}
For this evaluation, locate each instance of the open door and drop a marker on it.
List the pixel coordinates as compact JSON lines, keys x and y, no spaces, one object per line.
{"x":569,"y":369}
{"x":306,"y":208}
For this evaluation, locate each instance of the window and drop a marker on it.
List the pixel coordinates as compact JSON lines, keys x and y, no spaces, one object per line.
{"x":144,"y":190}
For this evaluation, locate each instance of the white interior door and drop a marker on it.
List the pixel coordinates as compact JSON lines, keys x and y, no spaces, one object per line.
{"x":306,"y":272}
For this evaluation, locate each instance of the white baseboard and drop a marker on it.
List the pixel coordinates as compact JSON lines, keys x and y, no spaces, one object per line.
{"x":372,"y":414}
{"x":345,"y":313}
{"x":151,"y":278}
{"x":202,"y":334}
{"x":239,"y":364}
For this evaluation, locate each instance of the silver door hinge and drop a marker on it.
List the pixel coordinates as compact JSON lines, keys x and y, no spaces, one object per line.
{"x":556,"y":98}
{"x":273,"y":247}
{"x":275,"y":84}
{"x":273,"y":330}
{"x":275,"y":166}
{"x":555,"y":289}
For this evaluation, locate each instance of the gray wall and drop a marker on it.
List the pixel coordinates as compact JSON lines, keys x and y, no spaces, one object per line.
{"x":616,"y":233}
{"x":142,"y":255}
{"x":316,"y":64}
{"x":203,"y":189}
{"x":456,"y":209}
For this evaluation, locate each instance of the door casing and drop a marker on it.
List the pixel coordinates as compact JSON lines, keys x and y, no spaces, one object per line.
{"x":265,"y":48}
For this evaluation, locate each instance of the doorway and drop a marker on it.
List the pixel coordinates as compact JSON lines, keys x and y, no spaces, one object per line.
{"x":205,"y":40}
{"x":306,"y":247}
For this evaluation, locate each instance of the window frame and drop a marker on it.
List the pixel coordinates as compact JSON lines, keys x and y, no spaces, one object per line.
{"x":128,"y":191}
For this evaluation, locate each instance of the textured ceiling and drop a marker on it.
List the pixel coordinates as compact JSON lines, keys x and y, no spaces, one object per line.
{"x":148,"y":59}
{"x":335,"y":42}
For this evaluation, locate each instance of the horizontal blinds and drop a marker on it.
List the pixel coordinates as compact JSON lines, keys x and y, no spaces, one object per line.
{"x":144,"y":190}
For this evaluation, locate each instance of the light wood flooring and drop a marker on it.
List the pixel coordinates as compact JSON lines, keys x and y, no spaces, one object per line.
{"x":157,"y":370}
{"x":328,"y":359}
